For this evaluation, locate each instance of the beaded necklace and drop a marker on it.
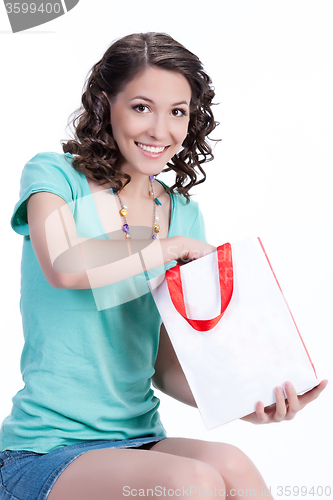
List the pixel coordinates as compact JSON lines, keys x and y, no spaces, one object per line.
{"x":123,"y":211}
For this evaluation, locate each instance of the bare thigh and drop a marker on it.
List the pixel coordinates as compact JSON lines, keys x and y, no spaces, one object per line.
{"x":115,"y":474}
{"x":238,"y":471}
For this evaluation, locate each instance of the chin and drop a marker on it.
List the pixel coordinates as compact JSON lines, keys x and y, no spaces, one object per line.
{"x":152,"y":168}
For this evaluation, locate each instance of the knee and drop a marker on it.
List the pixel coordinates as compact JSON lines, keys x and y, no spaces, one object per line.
{"x":235,"y":462}
{"x":198,"y":477}
{"x":206,"y":474}
{"x":227,"y":459}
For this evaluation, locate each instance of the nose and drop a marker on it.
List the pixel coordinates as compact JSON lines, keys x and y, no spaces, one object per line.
{"x":159,"y":128}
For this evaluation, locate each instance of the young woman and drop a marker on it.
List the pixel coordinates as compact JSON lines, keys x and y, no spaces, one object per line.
{"x":97,"y":224}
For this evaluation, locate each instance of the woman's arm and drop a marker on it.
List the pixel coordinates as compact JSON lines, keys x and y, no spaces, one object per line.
{"x":169,"y":376}
{"x":79,"y":263}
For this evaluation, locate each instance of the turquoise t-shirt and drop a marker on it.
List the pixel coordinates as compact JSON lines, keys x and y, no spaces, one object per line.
{"x":88,"y":356}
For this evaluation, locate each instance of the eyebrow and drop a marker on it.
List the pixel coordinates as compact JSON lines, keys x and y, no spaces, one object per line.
{"x":152,"y":102}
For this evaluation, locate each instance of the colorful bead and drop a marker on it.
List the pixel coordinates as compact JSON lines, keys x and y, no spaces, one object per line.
{"x":123,"y":211}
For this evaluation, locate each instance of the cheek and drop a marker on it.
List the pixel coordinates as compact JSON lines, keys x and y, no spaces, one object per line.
{"x":181,"y":131}
{"x":120,"y":123}
{"x":134,"y":127}
{"x":127,"y":127}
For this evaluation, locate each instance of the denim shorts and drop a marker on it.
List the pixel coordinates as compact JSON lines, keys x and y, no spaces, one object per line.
{"x":26,"y":475}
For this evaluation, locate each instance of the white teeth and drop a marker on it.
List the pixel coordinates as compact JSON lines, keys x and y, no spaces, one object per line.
{"x":151,"y":149}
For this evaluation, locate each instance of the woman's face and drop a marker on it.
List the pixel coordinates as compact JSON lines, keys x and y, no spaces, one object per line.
{"x":149,"y":119}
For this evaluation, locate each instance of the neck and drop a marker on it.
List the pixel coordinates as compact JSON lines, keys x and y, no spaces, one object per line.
{"x":138,"y":188}
{"x":137,"y":193}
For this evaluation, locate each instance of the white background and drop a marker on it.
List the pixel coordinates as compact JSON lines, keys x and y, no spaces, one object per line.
{"x":271,"y":64}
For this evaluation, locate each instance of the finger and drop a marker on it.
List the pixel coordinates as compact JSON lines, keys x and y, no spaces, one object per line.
{"x":260,"y":411}
{"x":309,"y":396}
{"x":293,"y":403}
{"x":281,"y":409}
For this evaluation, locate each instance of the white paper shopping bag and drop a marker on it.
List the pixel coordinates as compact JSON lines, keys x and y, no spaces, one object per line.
{"x":232,"y":331}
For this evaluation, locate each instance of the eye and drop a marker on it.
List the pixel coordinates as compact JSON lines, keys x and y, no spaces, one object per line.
{"x":141,"y":108}
{"x":179,"y":112}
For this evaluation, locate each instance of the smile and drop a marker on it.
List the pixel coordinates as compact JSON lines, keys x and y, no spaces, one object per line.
{"x":152,"y":149}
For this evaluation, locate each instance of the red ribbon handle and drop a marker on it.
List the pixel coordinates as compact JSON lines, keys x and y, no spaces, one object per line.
{"x":175,"y":287}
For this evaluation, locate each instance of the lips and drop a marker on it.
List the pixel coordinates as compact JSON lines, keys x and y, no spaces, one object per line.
{"x":152,"y":149}
{"x":152,"y":152}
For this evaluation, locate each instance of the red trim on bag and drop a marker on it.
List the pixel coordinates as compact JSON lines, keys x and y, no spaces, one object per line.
{"x":174,"y":282}
{"x":262,"y":246}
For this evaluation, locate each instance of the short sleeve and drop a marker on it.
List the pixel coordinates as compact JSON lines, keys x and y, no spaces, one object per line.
{"x":44,"y":172}
{"x":198,"y":230}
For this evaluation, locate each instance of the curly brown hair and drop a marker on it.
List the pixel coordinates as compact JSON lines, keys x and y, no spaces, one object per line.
{"x":124,"y":59}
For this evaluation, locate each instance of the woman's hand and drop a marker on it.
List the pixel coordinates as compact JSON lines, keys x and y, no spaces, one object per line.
{"x":191,"y":249}
{"x":284,"y":409}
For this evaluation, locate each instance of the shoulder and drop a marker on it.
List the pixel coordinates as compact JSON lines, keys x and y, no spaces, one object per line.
{"x":50,"y":168}
{"x":52,"y":160}
{"x":47,"y":171}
